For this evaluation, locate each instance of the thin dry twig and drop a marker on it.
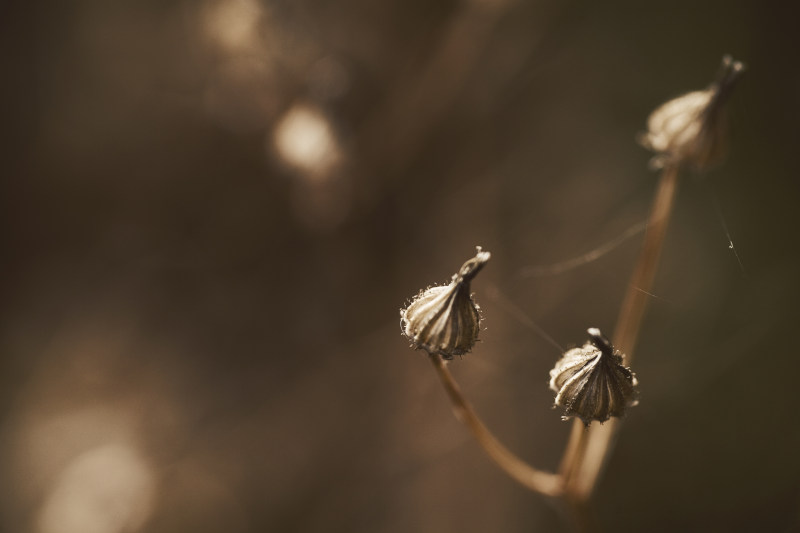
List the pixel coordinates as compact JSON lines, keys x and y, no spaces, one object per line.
{"x":536,"y":480}
{"x":588,"y":450}
{"x":588,"y":257}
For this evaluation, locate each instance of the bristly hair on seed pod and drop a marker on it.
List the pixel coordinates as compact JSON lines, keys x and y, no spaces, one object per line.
{"x":445,"y":319}
{"x":592,"y":383}
{"x":690,"y":130}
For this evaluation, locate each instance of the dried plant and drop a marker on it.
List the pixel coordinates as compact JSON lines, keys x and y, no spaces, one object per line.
{"x":690,"y":130}
{"x":591,"y":382}
{"x":445,"y":319}
{"x":594,"y":382}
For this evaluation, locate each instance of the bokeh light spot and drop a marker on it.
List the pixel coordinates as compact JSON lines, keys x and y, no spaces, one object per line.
{"x":108,"y":489}
{"x":304,"y":139}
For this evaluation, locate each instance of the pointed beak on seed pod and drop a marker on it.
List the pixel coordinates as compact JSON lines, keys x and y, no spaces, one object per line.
{"x":445,"y":320}
{"x":592,"y":383}
{"x":690,"y":130}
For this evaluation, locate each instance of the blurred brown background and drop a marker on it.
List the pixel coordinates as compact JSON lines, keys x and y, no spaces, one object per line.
{"x":213,"y":210}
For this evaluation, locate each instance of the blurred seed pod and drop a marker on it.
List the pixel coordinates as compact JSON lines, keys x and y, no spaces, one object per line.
{"x":445,"y":319}
{"x":592,"y":383}
{"x":690,"y":130}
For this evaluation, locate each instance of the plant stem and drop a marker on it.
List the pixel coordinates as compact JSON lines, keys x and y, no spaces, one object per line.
{"x":588,"y":450}
{"x":635,"y":303}
{"x":543,"y":482}
{"x":575,"y":448}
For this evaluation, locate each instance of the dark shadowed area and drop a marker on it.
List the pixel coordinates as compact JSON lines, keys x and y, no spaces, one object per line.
{"x":213,"y":210}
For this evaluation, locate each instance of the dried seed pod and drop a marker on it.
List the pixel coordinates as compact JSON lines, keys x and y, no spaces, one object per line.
{"x":445,"y":320}
{"x":690,"y":130}
{"x":591,"y":382}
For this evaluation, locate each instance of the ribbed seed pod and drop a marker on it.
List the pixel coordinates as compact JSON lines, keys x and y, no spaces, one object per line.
{"x":445,"y":320}
{"x":592,"y":383}
{"x":690,"y":130}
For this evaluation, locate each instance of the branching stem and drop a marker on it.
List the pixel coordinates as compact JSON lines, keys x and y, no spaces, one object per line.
{"x":536,"y":480}
{"x":587,"y":451}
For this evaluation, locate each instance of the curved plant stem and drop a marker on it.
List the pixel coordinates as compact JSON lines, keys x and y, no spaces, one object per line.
{"x":588,"y":450}
{"x":533,"y":479}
